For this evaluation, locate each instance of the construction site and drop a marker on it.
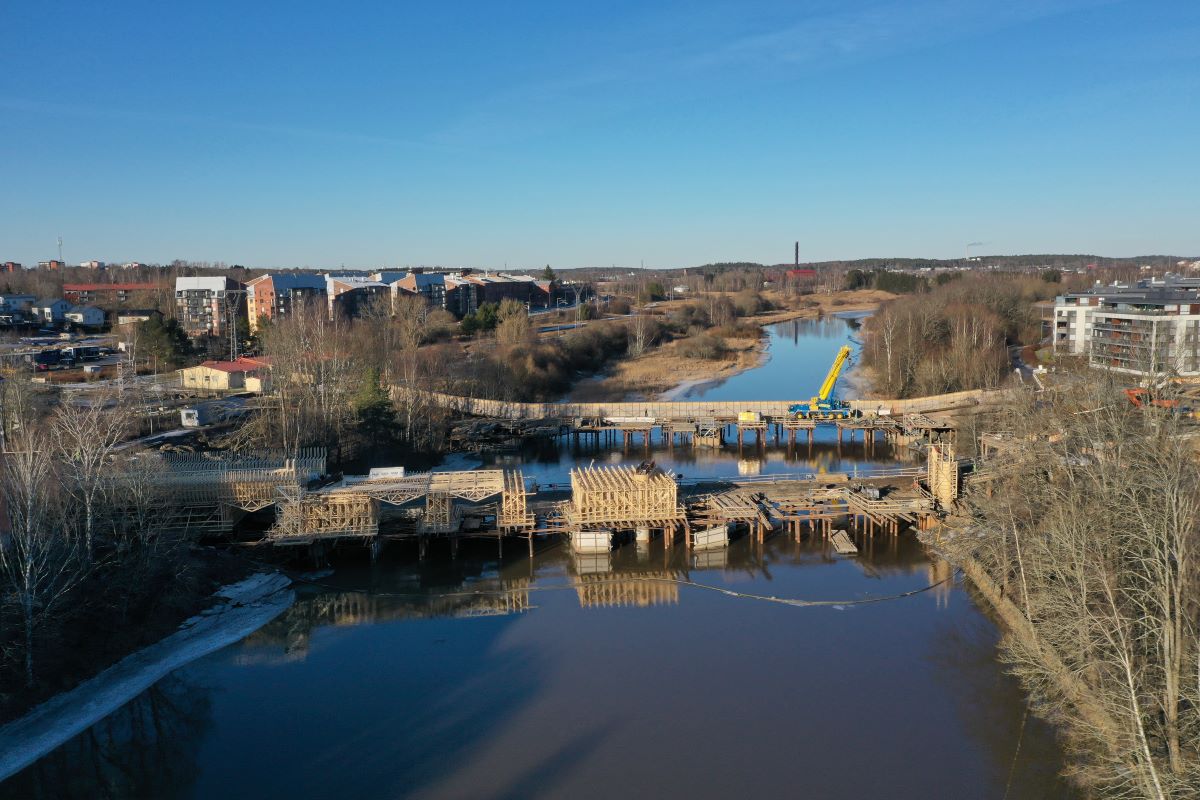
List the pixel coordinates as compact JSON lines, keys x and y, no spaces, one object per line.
{"x":209,"y":495}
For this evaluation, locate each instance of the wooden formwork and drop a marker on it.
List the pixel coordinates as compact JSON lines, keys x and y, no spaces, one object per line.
{"x":623,"y":498}
{"x":513,"y":513}
{"x":303,"y":517}
{"x":943,"y":477}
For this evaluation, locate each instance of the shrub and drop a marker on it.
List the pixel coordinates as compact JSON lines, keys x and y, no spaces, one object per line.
{"x":705,"y":346}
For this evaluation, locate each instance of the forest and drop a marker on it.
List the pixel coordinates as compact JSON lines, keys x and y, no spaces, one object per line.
{"x":954,"y":336}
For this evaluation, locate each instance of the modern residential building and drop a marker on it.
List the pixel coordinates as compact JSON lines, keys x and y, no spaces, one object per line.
{"x":52,"y":265}
{"x":12,"y":266}
{"x":93,"y":264}
{"x":207,"y":306}
{"x":429,"y":285}
{"x":1136,"y":330}
{"x":349,"y":295}
{"x":107,"y":293}
{"x":274,"y":295}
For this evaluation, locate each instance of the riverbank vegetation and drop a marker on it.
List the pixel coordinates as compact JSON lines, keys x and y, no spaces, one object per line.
{"x":88,"y":572}
{"x":1088,"y":524}
{"x":952,"y":337}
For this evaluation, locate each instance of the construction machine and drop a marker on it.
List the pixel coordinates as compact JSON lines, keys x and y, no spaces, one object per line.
{"x":1182,"y":406}
{"x":824,"y":405}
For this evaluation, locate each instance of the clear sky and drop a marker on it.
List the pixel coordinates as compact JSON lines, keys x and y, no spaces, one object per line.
{"x":594,"y":133}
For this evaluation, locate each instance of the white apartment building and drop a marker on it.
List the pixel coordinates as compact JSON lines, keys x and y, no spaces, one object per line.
{"x":1132,"y":330}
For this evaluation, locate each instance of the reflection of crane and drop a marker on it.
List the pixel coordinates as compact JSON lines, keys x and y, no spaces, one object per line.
{"x":824,"y":406}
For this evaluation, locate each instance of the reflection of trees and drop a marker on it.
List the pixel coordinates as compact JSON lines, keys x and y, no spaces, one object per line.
{"x":147,"y":748}
{"x":992,"y":708}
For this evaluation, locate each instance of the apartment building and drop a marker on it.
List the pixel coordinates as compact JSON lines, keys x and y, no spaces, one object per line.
{"x":275,"y":295}
{"x":207,"y":306}
{"x":1136,"y":330}
{"x":107,"y":293}
{"x":351,"y":294}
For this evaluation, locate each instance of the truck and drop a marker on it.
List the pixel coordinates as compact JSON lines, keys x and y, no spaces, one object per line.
{"x":824,"y":405}
{"x":83,"y":352}
{"x":46,"y":360}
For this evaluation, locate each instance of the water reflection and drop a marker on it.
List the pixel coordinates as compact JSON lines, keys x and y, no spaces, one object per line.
{"x":799,"y":355}
{"x":147,"y":748}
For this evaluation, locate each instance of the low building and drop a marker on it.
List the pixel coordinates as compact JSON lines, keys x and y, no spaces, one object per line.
{"x":85,"y":316}
{"x":12,"y":303}
{"x":93,"y":264}
{"x":243,"y":375}
{"x":275,"y":295}
{"x":133,"y":316}
{"x":50,"y":310}
{"x":12,"y":266}
{"x":53,"y":264}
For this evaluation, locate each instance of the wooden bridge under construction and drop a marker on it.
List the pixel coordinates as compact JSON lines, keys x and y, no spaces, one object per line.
{"x":208,"y":494}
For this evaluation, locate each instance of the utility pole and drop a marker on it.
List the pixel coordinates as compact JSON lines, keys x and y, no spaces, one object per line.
{"x":231,"y":305}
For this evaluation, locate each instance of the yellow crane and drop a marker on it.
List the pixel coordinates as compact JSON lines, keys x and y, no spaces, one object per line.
{"x":822,"y":406}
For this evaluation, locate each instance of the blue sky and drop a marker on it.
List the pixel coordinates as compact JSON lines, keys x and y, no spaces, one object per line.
{"x":595,"y":133}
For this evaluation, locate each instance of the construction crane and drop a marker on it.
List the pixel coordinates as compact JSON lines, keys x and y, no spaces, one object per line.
{"x":824,"y":405}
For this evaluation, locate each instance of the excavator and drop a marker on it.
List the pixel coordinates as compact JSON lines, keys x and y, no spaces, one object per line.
{"x":824,"y":405}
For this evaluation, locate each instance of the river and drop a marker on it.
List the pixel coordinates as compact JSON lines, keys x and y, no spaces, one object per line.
{"x":598,"y":677}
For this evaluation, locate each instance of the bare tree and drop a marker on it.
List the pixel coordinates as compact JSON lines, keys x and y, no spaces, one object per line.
{"x":39,"y":561}
{"x":1090,"y":524}
{"x":86,"y":433}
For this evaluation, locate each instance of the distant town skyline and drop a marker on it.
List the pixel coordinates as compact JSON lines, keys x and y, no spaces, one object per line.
{"x":297,"y":134}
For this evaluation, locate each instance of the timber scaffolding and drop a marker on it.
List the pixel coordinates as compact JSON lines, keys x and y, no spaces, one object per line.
{"x":207,"y":493}
{"x":353,"y":507}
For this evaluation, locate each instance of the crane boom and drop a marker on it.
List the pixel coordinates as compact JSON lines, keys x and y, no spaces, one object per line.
{"x":834,"y":371}
{"x":823,"y":406}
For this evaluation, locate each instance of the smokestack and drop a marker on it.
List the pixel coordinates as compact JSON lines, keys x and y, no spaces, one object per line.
{"x":797,"y":254}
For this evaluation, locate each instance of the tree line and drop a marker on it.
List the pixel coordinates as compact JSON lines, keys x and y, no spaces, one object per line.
{"x":952,"y":337}
{"x":1088,"y":521}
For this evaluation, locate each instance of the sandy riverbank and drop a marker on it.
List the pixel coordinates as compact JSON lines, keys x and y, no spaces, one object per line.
{"x":664,"y":374}
{"x":663,"y":369}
